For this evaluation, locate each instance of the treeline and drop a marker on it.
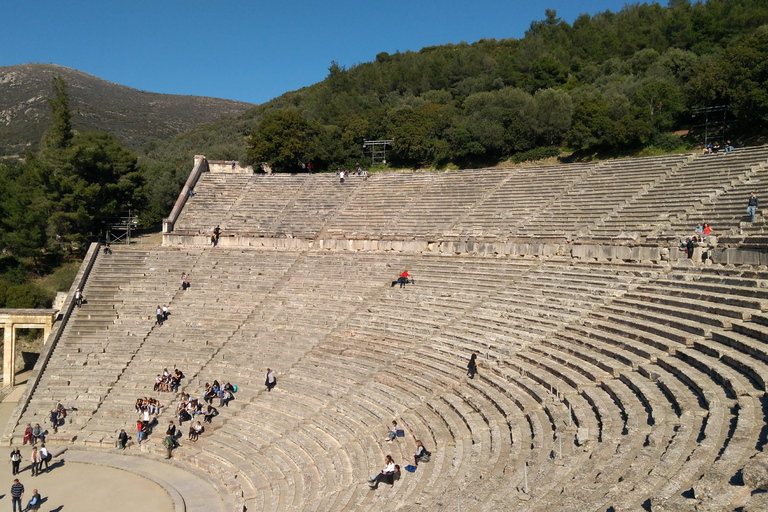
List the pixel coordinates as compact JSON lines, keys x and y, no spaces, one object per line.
{"x":613,"y":82}
{"x":56,"y":200}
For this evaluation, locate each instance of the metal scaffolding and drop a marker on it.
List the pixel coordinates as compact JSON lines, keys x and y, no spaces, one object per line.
{"x":377,"y":149}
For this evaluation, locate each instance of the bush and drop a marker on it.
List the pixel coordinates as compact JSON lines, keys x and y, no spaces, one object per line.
{"x":666,"y":141}
{"x":536,"y":154}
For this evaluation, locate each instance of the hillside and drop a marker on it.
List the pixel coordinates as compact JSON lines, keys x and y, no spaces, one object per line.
{"x":131,"y":115}
{"x":614,"y":83}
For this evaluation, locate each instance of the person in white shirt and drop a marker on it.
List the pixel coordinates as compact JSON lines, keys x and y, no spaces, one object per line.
{"x":43,"y":457}
{"x":387,"y":474}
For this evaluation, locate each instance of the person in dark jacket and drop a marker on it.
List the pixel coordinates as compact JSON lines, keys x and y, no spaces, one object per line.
{"x":752,"y":207}
{"x":472,"y":365}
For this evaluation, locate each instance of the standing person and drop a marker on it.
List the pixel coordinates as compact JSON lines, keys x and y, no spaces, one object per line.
{"x":472,"y":365}
{"x":33,"y":459}
{"x":139,"y":431}
{"x":752,"y":206}
{"x":78,"y":298}
{"x":43,"y":457}
{"x":34,"y":503}
{"x":303,"y":166}
{"x":15,"y":461}
{"x":183,"y":280}
{"x":169,"y":442}
{"x":17,"y":491}
{"x":165,"y":312}
{"x":342,"y":174}
{"x":159,"y":315}
{"x":309,"y":167}
{"x":122,"y":439}
{"x":271,"y":380}
{"x":55,"y":420}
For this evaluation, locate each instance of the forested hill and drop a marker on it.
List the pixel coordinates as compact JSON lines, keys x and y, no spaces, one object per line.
{"x":131,"y":115}
{"x":612,"y":82}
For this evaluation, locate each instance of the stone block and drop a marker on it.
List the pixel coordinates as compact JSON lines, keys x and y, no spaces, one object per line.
{"x":623,"y":252}
{"x":755,"y":472}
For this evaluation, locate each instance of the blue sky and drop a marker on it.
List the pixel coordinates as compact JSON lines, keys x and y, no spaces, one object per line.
{"x":249,"y":50}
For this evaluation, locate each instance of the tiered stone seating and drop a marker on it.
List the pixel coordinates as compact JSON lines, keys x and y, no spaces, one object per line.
{"x":518,"y":197}
{"x":215,"y":194}
{"x":261,"y":202}
{"x":611,"y":185}
{"x":619,"y":386}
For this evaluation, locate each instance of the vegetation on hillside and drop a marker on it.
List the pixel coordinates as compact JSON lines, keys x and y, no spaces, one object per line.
{"x":58,"y":199}
{"x":611,"y":83}
{"x":133,"y":116}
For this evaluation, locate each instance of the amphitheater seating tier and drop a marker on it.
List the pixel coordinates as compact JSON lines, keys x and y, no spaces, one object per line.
{"x":655,"y":199}
{"x":597,"y":376}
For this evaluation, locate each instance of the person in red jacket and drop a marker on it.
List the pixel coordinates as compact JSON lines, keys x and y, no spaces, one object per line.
{"x":403,"y":279}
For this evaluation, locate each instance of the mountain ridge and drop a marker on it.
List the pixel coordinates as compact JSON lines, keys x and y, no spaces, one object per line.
{"x":132,"y":115}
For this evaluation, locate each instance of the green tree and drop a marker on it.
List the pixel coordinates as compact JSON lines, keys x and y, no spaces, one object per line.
{"x":58,"y":137}
{"x":550,"y":115}
{"x":284,"y":140}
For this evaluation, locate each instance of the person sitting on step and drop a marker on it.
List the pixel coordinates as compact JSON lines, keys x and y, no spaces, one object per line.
{"x":422,"y":454}
{"x":211,"y":413}
{"x":387,"y":475}
{"x":392,"y":433}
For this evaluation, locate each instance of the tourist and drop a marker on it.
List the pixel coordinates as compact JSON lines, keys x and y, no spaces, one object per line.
{"x":55,"y":420}
{"x":176,"y":380}
{"x":342,"y":174}
{"x":195,"y":430}
{"x":38,"y":434}
{"x":421,"y":455}
{"x":15,"y":460}
{"x":183,"y":280}
{"x":78,"y":298}
{"x":403,"y":279}
{"x":43,"y":457}
{"x":140,"y":434}
{"x":392,"y":433}
{"x":34,"y":503}
{"x":122,"y":439}
{"x":17,"y":491}
{"x":107,"y":249}
{"x":33,"y":459}
{"x":365,"y":174}
{"x":309,"y":167}
{"x":169,"y":442}
{"x":716,"y":147}
{"x":387,"y":474}
{"x":28,"y":435}
{"x":728,"y":146}
{"x":752,"y":206}
{"x":271,"y":380}
{"x":159,"y":315}
{"x":211,"y":413}
{"x":215,"y":236}
{"x":698,"y":231}
{"x":165,"y":313}
{"x":224,"y":397}
{"x":472,"y":365}
{"x":689,"y":246}
{"x":171,"y":429}
{"x":706,"y":230}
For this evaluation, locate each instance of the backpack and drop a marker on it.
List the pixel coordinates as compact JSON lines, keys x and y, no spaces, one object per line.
{"x":234,"y":388}
{"x":167,"y":442}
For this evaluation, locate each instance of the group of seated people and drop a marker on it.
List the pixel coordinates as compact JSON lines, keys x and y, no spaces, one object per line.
{"x":224,"y":392}
{"x":33,"y":434}
{"x":391,"y":471}
{"x":711,"y":148}
{"x":168,"y":382}
{"x":699,"y":235}
{"x":149,"y":405}
{"x":187,"y":408}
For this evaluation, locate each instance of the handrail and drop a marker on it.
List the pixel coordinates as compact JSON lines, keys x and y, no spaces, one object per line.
{"x":201,"y":166}
{"x":50,"y":344}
